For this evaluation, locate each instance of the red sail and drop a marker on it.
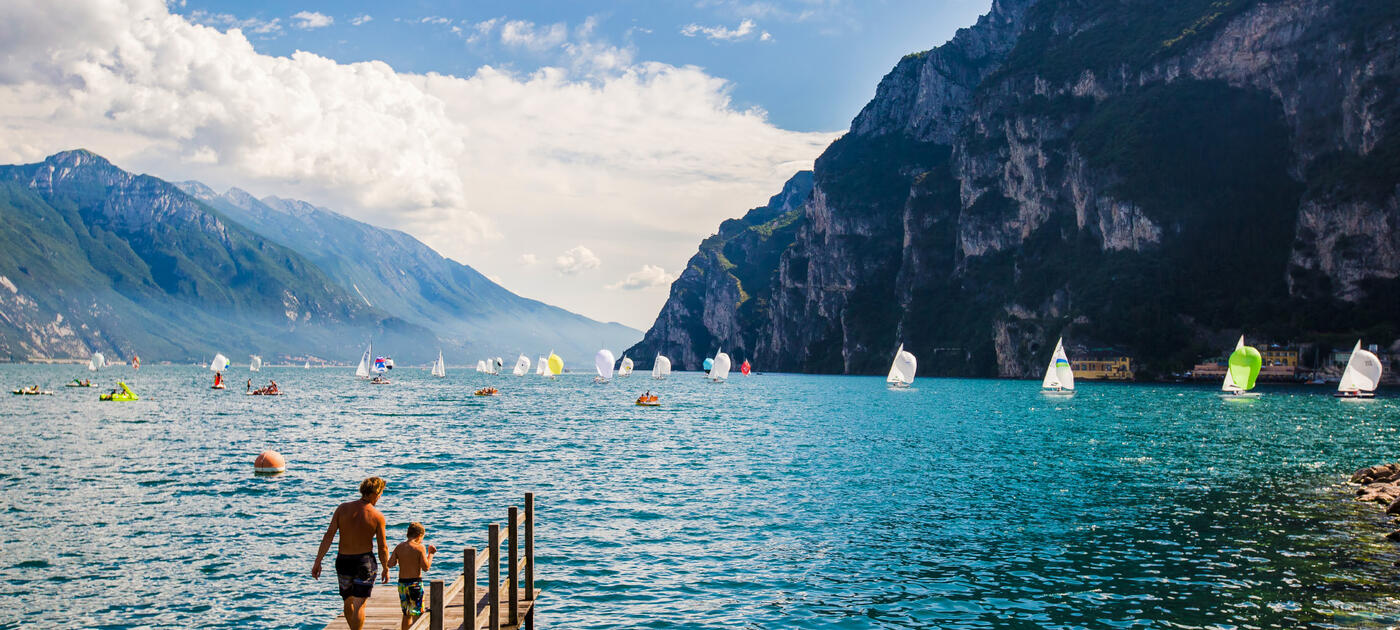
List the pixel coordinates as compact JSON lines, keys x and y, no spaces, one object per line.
{"x":745,"y":367}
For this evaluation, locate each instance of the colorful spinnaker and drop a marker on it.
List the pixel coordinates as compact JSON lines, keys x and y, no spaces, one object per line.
{"x":1241,"y":369}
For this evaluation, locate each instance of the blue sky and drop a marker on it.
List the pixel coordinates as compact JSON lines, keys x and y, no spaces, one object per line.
{"x":576,"y":153}
{"x":818,"y":66}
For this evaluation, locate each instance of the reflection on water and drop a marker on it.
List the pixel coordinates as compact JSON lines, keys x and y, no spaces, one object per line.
{"x":770,"y":502}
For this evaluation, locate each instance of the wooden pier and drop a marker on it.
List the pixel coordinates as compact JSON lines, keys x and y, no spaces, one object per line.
{"x":504,"y":604}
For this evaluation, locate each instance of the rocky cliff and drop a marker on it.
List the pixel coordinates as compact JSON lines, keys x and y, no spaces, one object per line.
{"x":1148,"y":175}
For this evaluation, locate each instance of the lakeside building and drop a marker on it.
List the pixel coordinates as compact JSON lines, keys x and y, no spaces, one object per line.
{"x":1280,"y":363}
{"x":1102,"y":364}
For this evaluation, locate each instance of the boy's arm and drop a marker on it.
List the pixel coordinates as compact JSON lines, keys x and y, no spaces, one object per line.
{"x":326,"y":541}
{"x":427,"y":559}
{"x":393,"y":558}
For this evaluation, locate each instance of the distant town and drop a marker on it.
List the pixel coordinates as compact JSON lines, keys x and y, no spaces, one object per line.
{"x":1283,"y":363}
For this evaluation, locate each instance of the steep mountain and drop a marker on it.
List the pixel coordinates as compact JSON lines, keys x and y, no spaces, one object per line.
{"x":1150,"y":175}
{"x":396,"y":273}
{"x":95,"y":258}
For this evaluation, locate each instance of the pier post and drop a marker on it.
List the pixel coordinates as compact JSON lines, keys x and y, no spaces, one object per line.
{"x":435,"y":600}
{"x":493,"y":535}
{"x":530,"y":558}
{"x":513,"y":578}
{"x":469,"y":588}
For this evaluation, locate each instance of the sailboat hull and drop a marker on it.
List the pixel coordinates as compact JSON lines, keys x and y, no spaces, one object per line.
{"x":1239,"y":395}
{"x":1354,"y":395}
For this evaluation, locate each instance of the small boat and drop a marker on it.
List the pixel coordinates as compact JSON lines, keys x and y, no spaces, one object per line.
{"x":603,"y":363}
{"x":486,"y":391}
{"x":1362,"y":375}
{"x":745,"y":368}
{"x":1059,"y":377}
{"x":648,"y":401}
{"x":362,"y":370}
{"x":626,"y":368}
{"x":124,"y":394}
{"x":522,"y":366}
{"x":263,"y":393}
{"x":97,"y":362}
{"x":555,"y":364}
{"x":254,"y":363}
{"x":306,"y":366}
{"x":381,"y":365}
{"x":31,"y":391}
{"x":77,"y":383}
{"x":439,"y":368}
{"x":719,"y":369}
{"x":1241,"y":370}
{"x":661,"y":368}
{"x":542,"y":367}
{"x":902,"y":369}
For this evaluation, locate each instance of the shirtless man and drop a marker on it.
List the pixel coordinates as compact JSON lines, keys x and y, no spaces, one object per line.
{"x":359,"y":523}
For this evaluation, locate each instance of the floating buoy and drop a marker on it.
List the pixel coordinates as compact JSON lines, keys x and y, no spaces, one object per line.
{"x":269,"y":463}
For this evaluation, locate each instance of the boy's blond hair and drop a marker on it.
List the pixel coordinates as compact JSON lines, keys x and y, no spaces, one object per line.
{"x":374,"y":486}
{"x":415,"y":530}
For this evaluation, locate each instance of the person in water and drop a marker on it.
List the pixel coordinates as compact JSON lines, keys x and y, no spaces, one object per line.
{"x":218,"y":379}
{"x":249,"y":386}
{"x":413,"y":558}
{"x":360,"y":523}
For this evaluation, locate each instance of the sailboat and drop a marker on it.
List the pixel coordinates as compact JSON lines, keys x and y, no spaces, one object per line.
{"x":362,"y":370}
{"x":903,"y":368}
{"x":556,"y":364}
{"x":661,"y":367}
{"x":1362,"y":375}
{"x":97,"y":362}
{"x":381,"y":365}
{"x":603,"y":363}
{"x":439,"y":368}
{"x":719,"y":370}
{"x":522,"y":366}
{"x":1059,"y":377}
{"x":542,"y":367}
{"x":217,"y":366}
{"x":626,"y":368}
{"x":135,"y":362}
{"x":307,"y":366}
{"x":481,"y":365}
{"x":255,"y":363}
{"x":745,"y":368}
{"x":1241,"y":370}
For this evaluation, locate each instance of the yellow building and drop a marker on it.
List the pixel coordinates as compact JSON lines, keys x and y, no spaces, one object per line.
{"x":1281,"y":357}
{"x":1103,"y":368}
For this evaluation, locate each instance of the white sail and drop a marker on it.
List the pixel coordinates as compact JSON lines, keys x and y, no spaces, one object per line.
{"x":603,"y":362}
{"x":219,"y":364}
{"x":903,"y":368}
{"x":720,"y":370}
{"x":1059,"y":374}
{"x":1228,"y":385}
{"x":255,"y":363}
{"x":307,"y":365}
{"x":439,"y":367}
{"x":481,"y":365}
{"x":626,"y":368}
{"x":542,"y":366}
{"x":661,"y":368}
{"x":1363,"y":372}
{"x":362,"y":370}
{"x":97,"y":362}
{"x":522,"y":366}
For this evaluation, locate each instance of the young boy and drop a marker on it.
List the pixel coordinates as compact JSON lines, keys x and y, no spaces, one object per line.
{"x":412,"y":559}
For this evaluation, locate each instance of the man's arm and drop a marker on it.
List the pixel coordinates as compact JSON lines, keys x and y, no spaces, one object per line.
{"x":325,"y":544}
{"x":383,"y":548}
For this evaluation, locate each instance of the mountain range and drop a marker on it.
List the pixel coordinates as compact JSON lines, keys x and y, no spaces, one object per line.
{"x":93,"y":258}
{"x":1154,"y":177}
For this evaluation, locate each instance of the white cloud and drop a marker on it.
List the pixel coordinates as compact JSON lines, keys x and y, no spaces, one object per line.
{"x":538,"y":38}
{"x":435,"y":19}
{"x":575,"y":260}
{"x":311,"y":19}
{"x":361,"y":19}
{"x":645,"y":278}
{"x":256,"y":26}
{"x":639,"y":159}
{"x":529,"y":260}
{"x":765,"y":37}
{"x":720,"y":33}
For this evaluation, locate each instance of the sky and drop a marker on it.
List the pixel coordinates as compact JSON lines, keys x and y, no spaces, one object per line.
{"x":575,"y":152}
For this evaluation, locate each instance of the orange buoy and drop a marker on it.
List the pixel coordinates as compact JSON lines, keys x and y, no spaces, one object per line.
{"x":269,"y":463}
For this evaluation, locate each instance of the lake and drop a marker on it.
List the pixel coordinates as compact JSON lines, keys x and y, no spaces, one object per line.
{"x":775,"y":501}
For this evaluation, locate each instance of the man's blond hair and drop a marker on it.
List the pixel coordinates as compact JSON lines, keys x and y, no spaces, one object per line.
{"x":372,"y":487}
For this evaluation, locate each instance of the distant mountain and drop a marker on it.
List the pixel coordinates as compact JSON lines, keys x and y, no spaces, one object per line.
{"x":93,"y":258}
{"x":396,"y":273}
{"x":1155,"y":176}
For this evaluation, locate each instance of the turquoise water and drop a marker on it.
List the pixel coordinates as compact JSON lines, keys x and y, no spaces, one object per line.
{"x":777,"y":501}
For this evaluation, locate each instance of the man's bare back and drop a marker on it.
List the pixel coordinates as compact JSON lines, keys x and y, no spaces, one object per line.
{"x":359,"y":521}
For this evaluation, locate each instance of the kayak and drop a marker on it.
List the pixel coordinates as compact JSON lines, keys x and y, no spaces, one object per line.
{"x":21,"y":392}
{"x":75,"y":385}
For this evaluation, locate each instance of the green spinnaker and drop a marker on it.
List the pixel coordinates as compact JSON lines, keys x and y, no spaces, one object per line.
{"x":1244,"y":367}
